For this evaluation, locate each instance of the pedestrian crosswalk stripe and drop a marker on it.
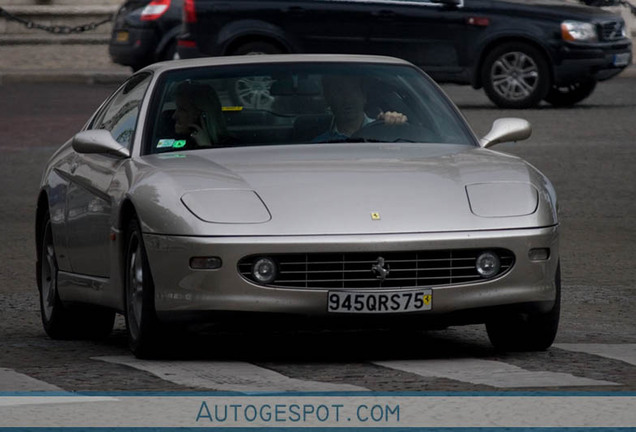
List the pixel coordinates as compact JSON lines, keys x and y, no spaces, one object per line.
{"x":622,"y":352}
{"x":226,"y":376}
{"x":490,"y":373}
{"x":12,"y":381}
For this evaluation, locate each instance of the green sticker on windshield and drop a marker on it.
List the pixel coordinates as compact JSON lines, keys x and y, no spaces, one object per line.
{"x":171,"y":143}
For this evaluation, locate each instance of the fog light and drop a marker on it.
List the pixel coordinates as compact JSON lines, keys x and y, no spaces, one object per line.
{"x":540,"y":254}
{"x":488,"y":264}
{"x":264,"y":270}
{"x":205,"y":263}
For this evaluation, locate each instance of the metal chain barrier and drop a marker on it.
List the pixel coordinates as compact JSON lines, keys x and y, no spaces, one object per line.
{"x":55,"y":29}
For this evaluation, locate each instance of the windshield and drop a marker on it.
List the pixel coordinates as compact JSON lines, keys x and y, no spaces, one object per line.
{"x":299,"y":103}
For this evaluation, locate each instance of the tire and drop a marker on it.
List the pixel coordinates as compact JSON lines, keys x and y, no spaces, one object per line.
{"x":256,"y":48}
{"x":516,"y":75}
{"x":142,"y":324}
{"x":527,"y":332}
{"x":59,"y":321}
{"x":253,"y":92}
{"x":568,"y":95}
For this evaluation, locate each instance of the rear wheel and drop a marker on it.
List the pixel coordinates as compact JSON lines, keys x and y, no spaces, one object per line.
{"x":516,"y":75}
{"x":253,"y":92}
{"x":170,"y":52}
{"x":256,"y":48}
{"x":59,"y":321}
{"x":141,"y":320}
{"x":568,"y":95}
{"x":527,"y":332}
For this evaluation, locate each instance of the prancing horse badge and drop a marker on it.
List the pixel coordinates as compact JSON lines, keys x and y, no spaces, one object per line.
{"x":375,"y":216}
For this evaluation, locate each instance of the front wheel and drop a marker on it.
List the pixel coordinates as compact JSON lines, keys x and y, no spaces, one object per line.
{"x":142,"y":324}
{"x":516,"y":75}
{"x":568,"y":95}
{"x":527,"y":332}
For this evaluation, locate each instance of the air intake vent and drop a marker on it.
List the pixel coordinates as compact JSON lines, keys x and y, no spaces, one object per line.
{"x":376,"y":269}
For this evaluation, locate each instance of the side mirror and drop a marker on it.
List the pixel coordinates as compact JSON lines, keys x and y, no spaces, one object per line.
{"x":506,"y":130}
{"x":98,"y":141}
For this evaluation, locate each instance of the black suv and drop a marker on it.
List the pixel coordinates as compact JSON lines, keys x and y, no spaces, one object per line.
{"x":145,"y":32}
{"x":519,"y":51}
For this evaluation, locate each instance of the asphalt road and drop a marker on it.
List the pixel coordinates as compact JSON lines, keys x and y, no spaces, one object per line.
{"x":588,"y":152}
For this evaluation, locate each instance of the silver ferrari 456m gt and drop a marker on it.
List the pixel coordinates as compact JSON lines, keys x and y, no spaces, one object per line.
{"x":343,"y":190}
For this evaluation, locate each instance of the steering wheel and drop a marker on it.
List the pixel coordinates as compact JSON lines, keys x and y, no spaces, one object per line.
{"x":379,"y":130}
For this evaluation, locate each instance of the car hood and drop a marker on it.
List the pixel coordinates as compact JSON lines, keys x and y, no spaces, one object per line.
{"x":345,"y":189}
{"x":556,"y":9}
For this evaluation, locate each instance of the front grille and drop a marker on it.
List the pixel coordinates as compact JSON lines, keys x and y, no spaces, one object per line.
{"x":611,"y":31}
{"x":355,"y":270}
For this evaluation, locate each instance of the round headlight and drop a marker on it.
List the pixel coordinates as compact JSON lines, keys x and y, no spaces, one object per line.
{"x":264,"y":270}
{"x":488,"y":264}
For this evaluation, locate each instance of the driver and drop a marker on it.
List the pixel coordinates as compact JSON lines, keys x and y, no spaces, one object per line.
{"x":346,"y":98}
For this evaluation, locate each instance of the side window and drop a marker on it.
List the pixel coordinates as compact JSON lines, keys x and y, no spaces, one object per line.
{"x":119,"y":117}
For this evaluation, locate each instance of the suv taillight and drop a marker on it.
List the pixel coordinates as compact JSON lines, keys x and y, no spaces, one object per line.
{"x":155,"y":9}
{"x":189,"y":12}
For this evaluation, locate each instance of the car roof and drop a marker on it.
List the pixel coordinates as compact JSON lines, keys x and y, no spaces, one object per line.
{"x":272,"y":58}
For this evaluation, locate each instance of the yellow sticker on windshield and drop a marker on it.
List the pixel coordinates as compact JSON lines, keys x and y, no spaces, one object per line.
{"x":232,"y":108}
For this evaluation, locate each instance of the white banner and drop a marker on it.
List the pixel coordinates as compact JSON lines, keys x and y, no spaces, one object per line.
{"x":324,"y":411}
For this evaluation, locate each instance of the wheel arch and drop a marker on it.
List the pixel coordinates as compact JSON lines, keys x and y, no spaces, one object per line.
{"x":241,"y":32}
{"x":494,"y":43}
{"x":245,"y":39}
{"x":168,"y":37}
{"x":127,"y":213}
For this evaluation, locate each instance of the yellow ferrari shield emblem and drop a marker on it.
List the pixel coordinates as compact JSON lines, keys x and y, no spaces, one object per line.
{"x":375,"y":215}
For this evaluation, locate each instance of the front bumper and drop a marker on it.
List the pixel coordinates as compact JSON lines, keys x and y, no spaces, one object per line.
{"x":181,"y":291}
{"x":579,"y":62}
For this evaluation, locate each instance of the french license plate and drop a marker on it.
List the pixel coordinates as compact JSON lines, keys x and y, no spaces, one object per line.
{"x":122,"y":36}
{"x":386,"y":302}
{"x":622,"y":59}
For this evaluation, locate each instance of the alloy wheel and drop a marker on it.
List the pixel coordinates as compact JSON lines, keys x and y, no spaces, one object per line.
{"x":514,"y":76}
{"x":135,"y":285}
{"x":48,"y":274}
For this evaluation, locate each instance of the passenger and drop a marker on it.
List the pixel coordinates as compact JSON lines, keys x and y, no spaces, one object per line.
{"x":199,"y":115}
{"x":346,"y":99}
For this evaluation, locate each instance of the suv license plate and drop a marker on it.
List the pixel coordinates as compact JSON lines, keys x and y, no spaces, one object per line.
{"x":122,"y":36}
{"x":386,"y":302}
{"x":622,"y":59}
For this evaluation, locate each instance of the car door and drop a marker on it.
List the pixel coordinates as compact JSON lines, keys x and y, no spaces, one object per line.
{"x":427,"y":33}
{"x":89,"y":206}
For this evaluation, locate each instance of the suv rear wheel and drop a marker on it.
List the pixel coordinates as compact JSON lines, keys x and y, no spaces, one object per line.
{"x":256,"y":47}
{"x":516,"y":75}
